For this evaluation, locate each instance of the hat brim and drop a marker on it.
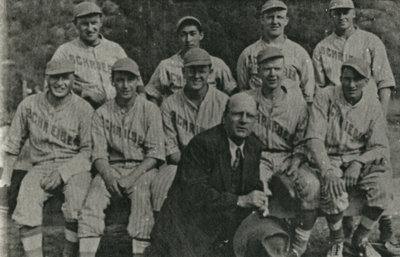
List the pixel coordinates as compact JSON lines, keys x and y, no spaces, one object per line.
{"x":341,"y":7}
{"x":134,"y":72}
{"x":275,"y":56}
{"x":59,"y":71}
{"x":198,"y":63}
{"x":274,"y":8}
{"x":356,"y":68}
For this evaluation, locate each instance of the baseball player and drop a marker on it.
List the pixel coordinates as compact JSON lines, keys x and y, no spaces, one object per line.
{"x":55,"y":123}
{"x":280,"y":125}
{"x":128,"y":143}
{"x":92,"y":54}
{"x":346,"y":137}
{"x":168,"y":77}
{"x":298,"y":65}
{"x":347,"y":41}
{"x":189,"y":111}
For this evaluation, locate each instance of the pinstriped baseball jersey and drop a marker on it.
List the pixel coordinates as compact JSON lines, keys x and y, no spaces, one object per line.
{"x":333,"y":51}
{"x":132,"y":135}
{"x":93,"y":64}
{"x":281,"y":123}
{"x":60,"y":134}
{"x":298,"y":67}
{"x":182,"y":119}
{"x":354,"y":130}
{"x":168,"y":77}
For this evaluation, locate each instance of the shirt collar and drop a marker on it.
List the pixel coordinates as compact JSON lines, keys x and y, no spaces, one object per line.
{"x":233,"y":147}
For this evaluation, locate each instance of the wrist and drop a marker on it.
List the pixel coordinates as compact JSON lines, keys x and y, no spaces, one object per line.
{"x":239,"y":201}
{"x":357,"y":163}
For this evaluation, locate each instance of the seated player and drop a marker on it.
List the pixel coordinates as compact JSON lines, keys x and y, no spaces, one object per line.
{"x":280,"y":124}
{"x":128,"y":144}
{"x":346,"y":137}
{"x":56,"y":124}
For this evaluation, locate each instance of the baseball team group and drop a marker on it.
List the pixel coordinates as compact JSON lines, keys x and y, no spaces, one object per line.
{"x":197,"y":152}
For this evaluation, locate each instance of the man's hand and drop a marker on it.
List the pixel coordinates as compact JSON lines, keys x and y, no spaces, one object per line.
{"x":111,"y":182}
{"x":51,"y":181}
{"x":253,"y":199}
{"x":352,"y":173}
{"x":334,"y":185}
{"x":5,"y":182}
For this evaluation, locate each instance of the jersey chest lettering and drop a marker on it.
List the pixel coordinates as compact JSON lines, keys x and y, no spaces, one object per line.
{"x":90,"y":63}
{"x":186,"y":125}
{"x":335,"y":54}
{"x":124,"y":133}
{"x":268,"y":124}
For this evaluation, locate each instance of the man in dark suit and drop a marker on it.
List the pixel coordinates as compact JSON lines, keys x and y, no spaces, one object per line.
{"x":216,"y":187}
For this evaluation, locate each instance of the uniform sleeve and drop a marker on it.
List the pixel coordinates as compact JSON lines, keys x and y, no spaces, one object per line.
{"x":381,"y":70}
{"x":81,"y":161}
{"x":377,"y":142}
{"x":225,"y":80}
{"x":59,"y":54}
{"x":154,"y":140}
{"x":98,"y":136}
{"x":153,"y":87}
{"x":242,"y":72}
{"x":318,"y":68}
{"x":18,"y":131}
{"x":307,"y":80}
{"x":318,"y":118}
{"x":194,"y":173}
{"x":171,"y":135}
{"x":299,"y":139}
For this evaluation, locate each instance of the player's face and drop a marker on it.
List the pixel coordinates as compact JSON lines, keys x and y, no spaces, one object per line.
{"x":271,"y":72}
{"x":240,"y":118}
{"x":89,"y":28}
{"x":274,"y":22}
{"x":196,"y":76}
{"x":352,"y":84}
{"x":125,"y":84}
{"x":60,"y":85}
{"x":343,"y":18}
{"x":189,"y":37}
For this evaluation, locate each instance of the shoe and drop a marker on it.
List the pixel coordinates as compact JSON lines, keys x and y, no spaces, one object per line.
{"x":387,"y":248}
{"x":365,"y":249}
{"x":336,"y":250}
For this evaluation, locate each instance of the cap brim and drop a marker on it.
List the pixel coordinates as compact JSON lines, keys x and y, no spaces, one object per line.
{"x":340,"y":7}
{"x":270,"y":57}
{"x":134,"y":72}
{"x":197,"y":63}
{"x":356,"y":68}
{"x":60,"y":71}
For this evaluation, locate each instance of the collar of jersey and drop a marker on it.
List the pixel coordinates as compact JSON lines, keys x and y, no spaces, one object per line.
{"x":190,"y":103}
{"x":85,"y":45}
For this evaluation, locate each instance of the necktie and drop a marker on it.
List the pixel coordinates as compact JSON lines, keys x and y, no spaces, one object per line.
{"x":238,"y":159}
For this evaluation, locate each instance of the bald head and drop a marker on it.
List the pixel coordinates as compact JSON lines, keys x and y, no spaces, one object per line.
{"x":239,"y":117}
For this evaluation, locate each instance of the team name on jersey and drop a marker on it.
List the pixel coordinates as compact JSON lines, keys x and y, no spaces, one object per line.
{"x":89,"y":63}
{"x":347,"y":126}
{"x":185,"y":124}
{"x":123,"y":132}
{"x":274,"y":127}
{"x":290,"y":72}
{"x":57,"y":132}
{"x":335,"y":54}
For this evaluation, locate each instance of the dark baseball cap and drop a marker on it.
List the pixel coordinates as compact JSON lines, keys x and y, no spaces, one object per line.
{"x":273,"y":4}
{"x":196,"y":57}
{"x":126,"y":64}
{"x":269,"y":53}
{"x":85,"y":8}
{"x":359,"y":65}
{"x":341,"y":4}
{"x":60,"y":66}
{"x":187,"y":18}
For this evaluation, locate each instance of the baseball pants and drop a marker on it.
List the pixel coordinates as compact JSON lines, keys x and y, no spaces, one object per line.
{"x":141,"y":220}
{"x":161,"y":184}
{"x":305,"y":183}
{"x":375,"y":186}
{"x":29,"y":209}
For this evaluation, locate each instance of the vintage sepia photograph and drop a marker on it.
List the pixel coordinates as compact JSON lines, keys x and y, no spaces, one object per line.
{"x":199,"y":128}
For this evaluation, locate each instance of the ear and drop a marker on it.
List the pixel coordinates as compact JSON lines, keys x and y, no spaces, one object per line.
{"x":201,"y":35}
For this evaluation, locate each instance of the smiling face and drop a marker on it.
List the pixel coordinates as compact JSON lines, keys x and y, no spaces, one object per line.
{"x":273,"y":23}
{"x":352,"y":84}
{"x":125,"y":84}
{"x":60,"y":85}
{"x":196,"y":76}
{"x":89,"y":28}
{"x":343,"y":18}
{"x":271,"y":72}
{"x":189,"y":37}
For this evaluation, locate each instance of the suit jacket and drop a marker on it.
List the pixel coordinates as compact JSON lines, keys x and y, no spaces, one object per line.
{"x":200,"y":212}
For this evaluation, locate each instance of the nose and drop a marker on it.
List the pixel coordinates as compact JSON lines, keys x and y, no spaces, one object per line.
{"x":90,"y":27}
{"x":274,"y":20}
{"x":59,"y":81}
{"x":353,"y":84}
{"x":244,"y":118}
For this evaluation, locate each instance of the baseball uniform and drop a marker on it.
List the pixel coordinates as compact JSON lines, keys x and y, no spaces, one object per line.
{"x":298,"y":67}
{"x":333,"y":51}
{"x":124,"y":139}
{"x":59,"y":140}
{"x":182,"y":120}
{"x":93,"y":65}
{"x":168,"y":78}
{"x":351,"y":132}
{"x":280,"y":125}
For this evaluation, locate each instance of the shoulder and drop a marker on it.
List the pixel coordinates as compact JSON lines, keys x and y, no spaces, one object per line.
{"x":250,"y":48}
{"x":253,"y":92}
{"x":110,"y":43}
{"x":327,"y":93}
{"x":254,"y":143}
{"x":106,"y":108}
{"x":172,"y":100}
{"x":296,"y":47}
{"x":295,"y":95}
{"x":209,"y":138}
{"x":218,"y":97}
{"x":68,"y":45}
{"x":218,"y":62}
{"x":146,"y":104}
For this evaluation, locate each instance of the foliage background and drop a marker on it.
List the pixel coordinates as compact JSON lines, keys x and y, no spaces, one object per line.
{"x":146,"y":30}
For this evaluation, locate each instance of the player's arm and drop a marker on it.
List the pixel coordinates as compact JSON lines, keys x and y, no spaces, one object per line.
{"x":153,"y":87}
{"x":307,"y":79}
{"x":172,"y":150}
{"x":242,"y":72}
{"x":384,"y":97}
{"x":319,"y":73}
{"x":224,"y":77}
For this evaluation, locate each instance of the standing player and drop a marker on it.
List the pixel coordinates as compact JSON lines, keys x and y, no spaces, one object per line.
{"x":298,"y":65}
{"x":350,"y":41}
{"x":347,"y":136}
{"x":280,"y":125}
{"x":168,"y":77}
{"x":92,"y":54}
{"x":128,"y":143}
{"x":191,"y":110}
{"x":55,"y":123}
